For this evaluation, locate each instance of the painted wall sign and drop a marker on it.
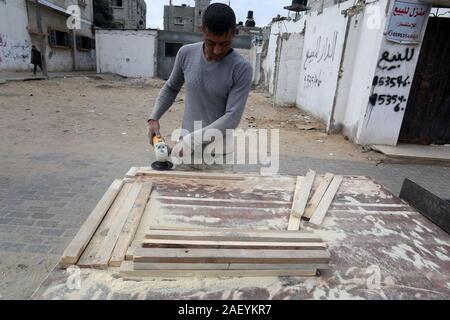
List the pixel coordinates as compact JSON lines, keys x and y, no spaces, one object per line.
{"x":407,"y":22}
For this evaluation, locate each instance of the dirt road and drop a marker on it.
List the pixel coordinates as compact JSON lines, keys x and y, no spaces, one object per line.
{"x":90,"y":112}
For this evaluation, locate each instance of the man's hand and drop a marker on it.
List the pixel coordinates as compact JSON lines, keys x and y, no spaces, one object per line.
{"x":154,"y":128}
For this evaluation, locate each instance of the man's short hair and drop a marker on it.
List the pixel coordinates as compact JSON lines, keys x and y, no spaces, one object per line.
{"x":219,"y":18}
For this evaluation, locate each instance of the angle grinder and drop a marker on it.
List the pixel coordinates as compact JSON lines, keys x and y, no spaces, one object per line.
{"x":162,"y":154}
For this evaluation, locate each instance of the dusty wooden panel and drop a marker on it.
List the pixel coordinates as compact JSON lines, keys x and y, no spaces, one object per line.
{"x":369,"y":232}
{"x":253,"y":203}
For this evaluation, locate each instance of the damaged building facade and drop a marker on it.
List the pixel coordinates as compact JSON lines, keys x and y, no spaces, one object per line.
{"x":129,"y":14}
{"x":371,"y":71}
{"x":184,"y":18}
{"x":69,"y":44}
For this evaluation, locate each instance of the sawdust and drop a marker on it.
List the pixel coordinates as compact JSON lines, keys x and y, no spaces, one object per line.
{"x":329,"y":231}
{"x":442,"y":241}
{"x":379,"y":228}
{"x":356,"y":188}
{"x":167,"y":219}
{"x":420,"y":226}
{"x":420,"y":246}
{"x":441,"y":256}
{"x":232,"y":288}
{"x":405,"y":253}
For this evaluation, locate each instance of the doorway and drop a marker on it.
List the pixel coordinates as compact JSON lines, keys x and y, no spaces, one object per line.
{"x":427,"y":115}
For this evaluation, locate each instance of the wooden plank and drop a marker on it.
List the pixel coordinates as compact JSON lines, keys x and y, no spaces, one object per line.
{"x":168,"y":255}
{"x":169,"y":243}
{"x":294,"y":222}
{"x":301,"y":195}
{"x":102,"y":257}
{"x":326,"y":201}
{"x":131,"y":173}
{"x":127,"y":271}
{"x":318,"y":195}
{"x":227,"y":266}
{"x":234,"y":236}
{"x":105,"y":238}
{"x":130,"y":227}
{"x":130,"y":251}
{"x":227,"y":203}
{"x":427,"y":203}
{"x":79,"y":243}
{"x":193,"y":175}
{"x":95,"y":243}
{"x":189,"y":228}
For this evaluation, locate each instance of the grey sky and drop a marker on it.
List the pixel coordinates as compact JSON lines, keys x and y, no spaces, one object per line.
{"x":264,"y":10}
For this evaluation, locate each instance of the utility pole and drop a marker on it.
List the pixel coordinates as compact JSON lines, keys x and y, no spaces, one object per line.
{"x":74,"y":50}
{"x":42,"y":45}
{"x":170,"y":15}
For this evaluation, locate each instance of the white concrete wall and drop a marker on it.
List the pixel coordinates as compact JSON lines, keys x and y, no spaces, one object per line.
{"x":383,"y":118}
{"x":288,"y":75}
{"x":269,"y":64}
{"x":127,"y":53}
{"x":360,"y":59}
{"x":440,"y":12}
{"x":15,"y":44}
{"x":255,"y":60}
{"x":321,"y":58}
{"x":245,"y":53}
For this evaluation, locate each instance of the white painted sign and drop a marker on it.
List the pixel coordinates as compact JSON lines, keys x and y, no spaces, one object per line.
{"x":407,"y":22}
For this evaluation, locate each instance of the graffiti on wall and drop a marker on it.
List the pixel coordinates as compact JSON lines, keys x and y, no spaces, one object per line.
{"x":324,"y":49}
{"x":389,"y":61}
{"x":317,"y":57}
{"x":13,"y":52}
{"x":312,"y":80}
{"x":389,"y":82}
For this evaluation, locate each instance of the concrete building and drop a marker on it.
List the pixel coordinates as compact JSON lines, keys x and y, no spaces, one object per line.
{"x":350,"y":65}
{"x":130,"y":53}
{"x":129,"y":14}
{"x":66,"y":49}
{"x":148,"y":53}
{"x":184,"y":18}
{"x":15,"y":43}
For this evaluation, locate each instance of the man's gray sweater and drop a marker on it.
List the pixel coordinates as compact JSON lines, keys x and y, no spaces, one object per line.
{"x":216,"y":91}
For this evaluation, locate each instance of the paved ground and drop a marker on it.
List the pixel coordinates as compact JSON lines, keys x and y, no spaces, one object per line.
{"x":25,"y":76}
{"x":50,"y":183}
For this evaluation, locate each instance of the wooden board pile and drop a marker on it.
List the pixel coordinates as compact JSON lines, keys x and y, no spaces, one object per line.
{"x":313,"y":208}
{"x":225,"y":252}
{"x":107,"y":238}
{"x":104,"y":238}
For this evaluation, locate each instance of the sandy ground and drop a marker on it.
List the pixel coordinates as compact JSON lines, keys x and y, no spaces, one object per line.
{"x":89,"y":112}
